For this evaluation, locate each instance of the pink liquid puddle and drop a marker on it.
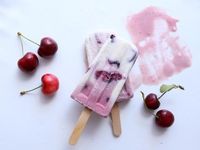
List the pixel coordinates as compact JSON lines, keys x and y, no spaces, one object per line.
{"x":161,"y":54}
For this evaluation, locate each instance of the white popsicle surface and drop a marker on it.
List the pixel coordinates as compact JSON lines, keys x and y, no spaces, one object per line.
{"x":93,"y":44}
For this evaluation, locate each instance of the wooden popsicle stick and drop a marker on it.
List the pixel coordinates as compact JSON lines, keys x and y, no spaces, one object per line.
{"x":116,"y":123}
{"x":80,"y":125}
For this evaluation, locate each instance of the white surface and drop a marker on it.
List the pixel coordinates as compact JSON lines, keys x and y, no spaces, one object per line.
{"x":36,"y":122}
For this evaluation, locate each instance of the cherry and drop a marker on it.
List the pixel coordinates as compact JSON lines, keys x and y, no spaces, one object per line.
{"x":50,"y":85}
{"x":164,"y":118}
{"x":48,"y":47}
{"x":151,"y":101}
{"x":29,"y":61}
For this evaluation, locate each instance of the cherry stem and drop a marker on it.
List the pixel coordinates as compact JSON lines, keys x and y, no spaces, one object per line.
{"x":143,"y":97}
{"x":20,"y":34}
{"x":174,"y":87}
{"x":22,"y":46}
{"x":24,"y":92}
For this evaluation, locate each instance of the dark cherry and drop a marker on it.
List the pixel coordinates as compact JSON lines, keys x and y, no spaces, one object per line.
{"x":164,"y":118}
{"x":100,"y":73}
{"x":115,"y":76}
{"x":151,"y":101}
{"x":108,"y":76}
{"x":28,"y":62}
{"x":50,"y":85}
{"x":48,"y":47}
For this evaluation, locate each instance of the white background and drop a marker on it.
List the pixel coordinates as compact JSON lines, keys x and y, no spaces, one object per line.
{"x":37,"y":122}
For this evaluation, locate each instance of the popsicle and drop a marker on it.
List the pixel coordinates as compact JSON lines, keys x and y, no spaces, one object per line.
{"x":106,"y":76}
{"x":104,"y":80}
{"x":93,"y":44}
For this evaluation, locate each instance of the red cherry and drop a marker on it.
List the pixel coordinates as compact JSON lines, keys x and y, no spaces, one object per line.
{"x":48,"y":47}
{"x":28,"y":62}
{"x":50,"y":85}
{"x":152,"y":101}
{"x":164,"y":118}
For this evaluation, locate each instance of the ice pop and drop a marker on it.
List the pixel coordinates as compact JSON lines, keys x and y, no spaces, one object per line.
{"x":106,"y":76}
{"x":93,"y":44}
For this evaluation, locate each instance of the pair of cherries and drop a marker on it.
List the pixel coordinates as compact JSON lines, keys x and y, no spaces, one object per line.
{"x":29,"y":62}
{"x":163,"y":118}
